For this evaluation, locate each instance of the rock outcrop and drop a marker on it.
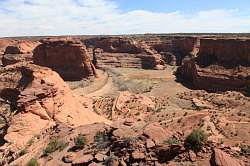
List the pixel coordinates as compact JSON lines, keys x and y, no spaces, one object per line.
{"x":124,"y":52}
{"x":173,"y":49}
{"x":67,"y":57}
{"x":221,"y":65}
{"x":221,"y":158}
{"x":18,"y":51}
{"x":42,"y":99}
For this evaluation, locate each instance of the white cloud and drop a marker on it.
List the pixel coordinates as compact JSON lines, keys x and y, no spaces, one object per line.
{"x":65,"y":17}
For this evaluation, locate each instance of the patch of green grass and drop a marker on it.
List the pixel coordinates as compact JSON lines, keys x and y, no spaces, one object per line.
{"x":196,"y":140}
{"x":32,"y":162}
{"x":80,"y":141}
{"x":54,"y":145}
{"x":172,"y":141}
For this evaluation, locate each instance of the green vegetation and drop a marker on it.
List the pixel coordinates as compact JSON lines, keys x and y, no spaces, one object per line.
{"x":101,"y":137}
{"x":53,"y":146}
{"x":31,"y":141}
{"x":245,"y":150}
{"x":23,"y":152}
{"x":32,"y":162}
{"x":196,"y":140}
{"x":172,"y":141}
{"x":80,"y":141}
{"x":109,"y":161}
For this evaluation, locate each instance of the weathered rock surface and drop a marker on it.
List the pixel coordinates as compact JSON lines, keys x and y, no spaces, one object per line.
{"x":42,"y":99}
{"x":222,"y":64}
{"x":69,"y":58}
{"x":221,"y":158}
{"x":124,"y":52}
{"x":14,"y":51}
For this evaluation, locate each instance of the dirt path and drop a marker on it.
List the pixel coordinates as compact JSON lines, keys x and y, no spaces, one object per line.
{"x":107,"y":89}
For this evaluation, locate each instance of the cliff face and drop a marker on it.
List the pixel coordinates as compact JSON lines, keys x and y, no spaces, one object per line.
{"x":226,"y":52}
{"x":69,"y":58}
{"x":123,"y":52}
{"x":222,"y":64}
{"x":173,"y":49}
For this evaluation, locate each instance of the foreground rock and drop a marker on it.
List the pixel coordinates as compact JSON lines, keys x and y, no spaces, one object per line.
{"x":223,"y":159}
{"x":42,"y":99}
{"x":67,"y":57}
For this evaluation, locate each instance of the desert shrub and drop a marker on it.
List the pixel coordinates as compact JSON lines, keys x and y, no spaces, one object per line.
{"x":101,"y":137}
{"x":32,"y":162}
{"x":130,"y":140}
{"x":80,"y":141}
{"x":102,"y":140}
{"x":109,"y":161}
{"x":54,"y":145}
{"x":195,"y":140}
{"x":30,"y":142}
{"x":23,"y":152}
{"x":245,"y":149}
{"x":172,"y":141}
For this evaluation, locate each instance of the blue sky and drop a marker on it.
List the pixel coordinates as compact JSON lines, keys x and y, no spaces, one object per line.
{"x":183,"y":5}
{"x":76,"y":17}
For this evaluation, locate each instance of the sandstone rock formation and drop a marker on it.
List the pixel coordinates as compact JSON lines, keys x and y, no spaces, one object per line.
{"x":67,"y":57}
{"x":223,"y":159}
{"x":173,"y":49}
{"x":42,"y":100}
{"x":18,"y":51}
{"x":124,"y":52}
{"x":222,"y":64}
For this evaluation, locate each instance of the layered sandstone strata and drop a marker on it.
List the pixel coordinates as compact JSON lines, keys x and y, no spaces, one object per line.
{"x":173,"y":49}
{"x":42,"y":99}
{"x":222,"y":64}
{"x":69,"y":58}
{"x":124,"y":52}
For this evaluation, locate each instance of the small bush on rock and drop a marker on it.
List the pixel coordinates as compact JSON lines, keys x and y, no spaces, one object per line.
{"x":32,"y":162}
{"x":80,"y":141}
{"x":172,"y":141}
{"x":109,"y":161}
{"x":53,"y":146}
{"x":196,"y":140}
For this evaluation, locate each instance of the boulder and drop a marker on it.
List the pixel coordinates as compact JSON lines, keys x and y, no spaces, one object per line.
{"x":156,"y":133}
{"x":220,"y":158}
{"x":69,"y":58}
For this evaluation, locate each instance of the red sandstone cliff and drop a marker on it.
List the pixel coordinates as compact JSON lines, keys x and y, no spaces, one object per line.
{"x":69,"y":58}
{"x":222,"y":64}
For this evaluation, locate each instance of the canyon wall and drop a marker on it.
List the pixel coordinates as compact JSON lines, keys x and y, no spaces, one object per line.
{"x":69,"y":58}
{"x":226,"y":52}
{"x":123,"y":52}
{"x":221,"y":64}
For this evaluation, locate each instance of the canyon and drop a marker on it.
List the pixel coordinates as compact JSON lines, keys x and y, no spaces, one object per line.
{"x":153,"y":99}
